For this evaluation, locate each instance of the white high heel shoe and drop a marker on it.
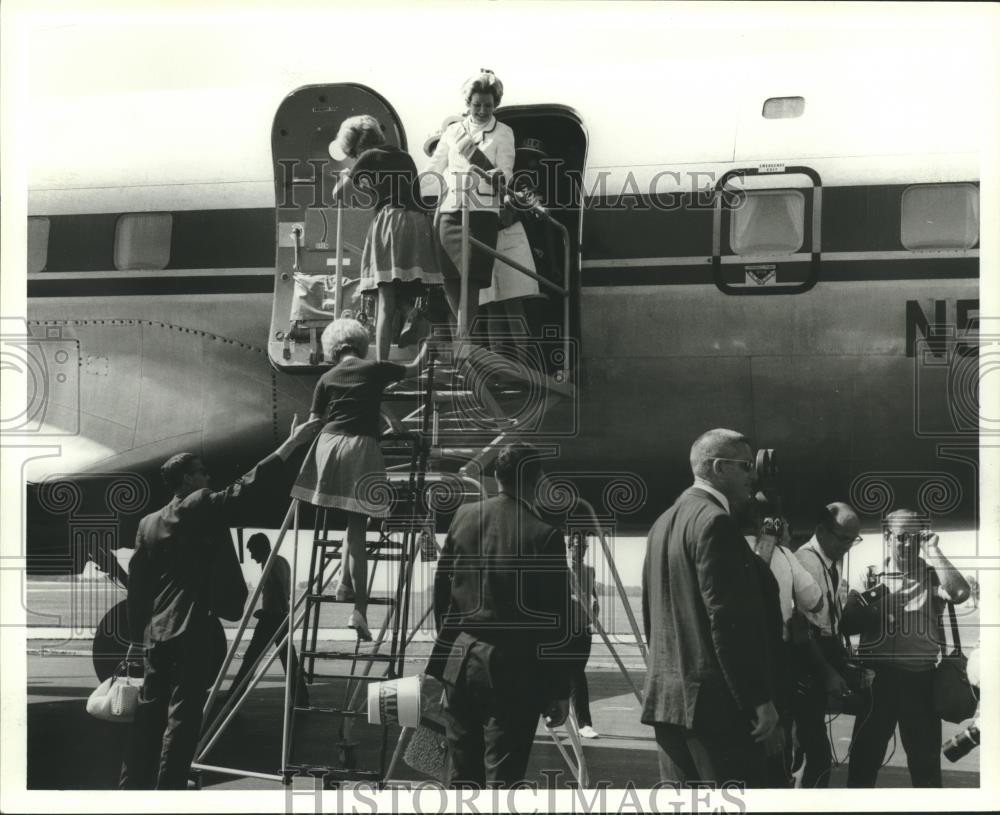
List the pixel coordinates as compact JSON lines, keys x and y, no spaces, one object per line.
{"x":360,"y":624}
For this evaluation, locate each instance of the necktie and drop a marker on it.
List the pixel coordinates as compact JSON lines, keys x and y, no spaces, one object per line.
{"x":835,"y":582}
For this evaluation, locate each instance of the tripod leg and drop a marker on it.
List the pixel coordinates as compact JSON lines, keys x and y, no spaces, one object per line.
{"x":290,"y":672}
{"x":621,"y":665}
{"x":562,"y":751}
{"x":573,"y":730}
{"x":405,"y":735}
{"x":214,"y":731}
{"x":623,"y":596}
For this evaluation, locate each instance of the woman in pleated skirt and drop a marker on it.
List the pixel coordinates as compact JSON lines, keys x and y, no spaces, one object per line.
{"x":345,"y":469}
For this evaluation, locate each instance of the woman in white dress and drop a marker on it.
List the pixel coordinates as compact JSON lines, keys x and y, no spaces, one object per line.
{"x":473,"y":161}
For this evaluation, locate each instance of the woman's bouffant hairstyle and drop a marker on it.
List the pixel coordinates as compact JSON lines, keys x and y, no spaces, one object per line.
{"x":341,"y":335}
{"x":484,"y":82}
{"x":359,"y":133}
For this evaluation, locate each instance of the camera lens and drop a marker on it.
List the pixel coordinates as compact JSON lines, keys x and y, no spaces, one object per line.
{"x":961,"y":744}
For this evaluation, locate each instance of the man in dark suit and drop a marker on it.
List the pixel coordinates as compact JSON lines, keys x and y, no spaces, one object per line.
{"x":185,"y":572}
{"x":501,"y":602}
{"x":708,"y":693}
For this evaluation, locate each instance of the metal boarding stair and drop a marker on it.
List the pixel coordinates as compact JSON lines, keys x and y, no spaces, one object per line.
{"x":413,"y":455}
{"x":455,"y":412}
{"x":425,"y":441}
{"x":306,"y":607}
{"x":362,"y":661}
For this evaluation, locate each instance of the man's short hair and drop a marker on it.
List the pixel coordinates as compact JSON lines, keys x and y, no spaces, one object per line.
{"x":259,"y":540}
{"x":518,"y":462}
{"x":717,"y":443}
{"x":175,"y":468}
{"x":837,"y":517}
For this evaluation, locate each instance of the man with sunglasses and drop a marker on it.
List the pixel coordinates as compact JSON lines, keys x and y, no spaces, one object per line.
{"x":184,"y":574}
{"x":708,"y":694}
{"x":823,"y":556}
{"x":901,"y":640}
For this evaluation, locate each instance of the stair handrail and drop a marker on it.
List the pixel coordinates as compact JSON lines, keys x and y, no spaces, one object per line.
{"x":468,"y":243}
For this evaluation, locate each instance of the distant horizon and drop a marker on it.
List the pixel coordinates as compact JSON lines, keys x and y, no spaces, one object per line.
{"x":961,"y":547}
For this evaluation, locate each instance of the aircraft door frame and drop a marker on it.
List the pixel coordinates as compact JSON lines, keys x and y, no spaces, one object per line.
{"x":567,"y":142}
{"x":306,"y":167}
{"x":762,"y":274}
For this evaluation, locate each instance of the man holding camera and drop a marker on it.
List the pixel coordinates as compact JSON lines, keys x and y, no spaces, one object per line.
{"x":901,"y":638}
{"x":822,"y":556}
{"x":794,"y":600}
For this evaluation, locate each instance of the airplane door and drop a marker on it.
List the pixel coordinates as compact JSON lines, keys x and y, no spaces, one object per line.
{"x":306,"y":166}
{"x":766,"y":231}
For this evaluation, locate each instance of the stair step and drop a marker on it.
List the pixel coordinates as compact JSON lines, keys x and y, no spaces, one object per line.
{"x":336,"y":546}
{"x":390,"y":557}
{"x":355,"y":714}
{"x":477,"y":422}
{"x":381,"y":677}
{"x":442,"y":395}
{"x":360,"y":656}
{"x":334,"y":773}
{"x":332,"y":598}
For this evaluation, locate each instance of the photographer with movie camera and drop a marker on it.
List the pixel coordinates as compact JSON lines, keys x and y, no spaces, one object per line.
{"x":796,"y":599}
{"x":899,"y":621}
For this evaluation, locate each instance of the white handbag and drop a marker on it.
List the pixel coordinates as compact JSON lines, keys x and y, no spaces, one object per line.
{"x":116,"y":699}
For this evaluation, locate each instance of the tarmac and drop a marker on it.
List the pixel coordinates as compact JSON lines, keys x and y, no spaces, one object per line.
{"x":69,"y":750}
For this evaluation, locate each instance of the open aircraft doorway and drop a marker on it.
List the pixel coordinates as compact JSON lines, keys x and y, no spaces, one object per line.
{"x":307,"y":165}
{"x":552,"y":147}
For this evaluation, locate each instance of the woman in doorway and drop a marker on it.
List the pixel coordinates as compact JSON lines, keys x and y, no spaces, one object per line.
{"x":473,"y":161}
{"x":399,"y":257}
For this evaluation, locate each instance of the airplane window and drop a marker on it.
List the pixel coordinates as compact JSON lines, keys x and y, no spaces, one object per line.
{"x":38,"y":244}
{"x":784,"y":107}
{"x":769,"y":222}
{"x":142,"y":241}
{"x":940,"y":216}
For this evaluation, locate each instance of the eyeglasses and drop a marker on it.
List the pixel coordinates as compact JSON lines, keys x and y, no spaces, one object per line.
{"x":745,"y":464}
{"x":848,"y":539}
{"x":902,"y":537}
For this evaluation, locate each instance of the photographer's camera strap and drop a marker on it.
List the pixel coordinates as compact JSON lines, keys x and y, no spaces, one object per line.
{"x":956,"y":640}
{"x":832,"y":594}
